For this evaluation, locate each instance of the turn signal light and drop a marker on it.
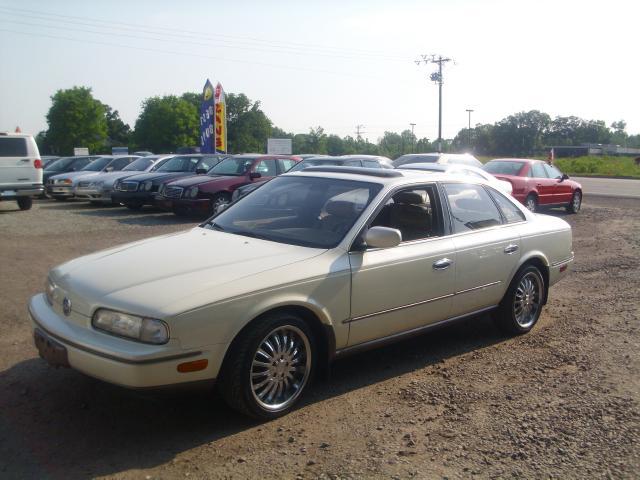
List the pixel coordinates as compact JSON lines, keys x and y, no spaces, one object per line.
{"x":194,"y":366}
{"x":563,"y":268}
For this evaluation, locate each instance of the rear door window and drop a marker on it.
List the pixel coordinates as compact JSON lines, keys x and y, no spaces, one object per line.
{"x":13,"y":147}
{"x":512,"y":214}
{"x":471,"y":207}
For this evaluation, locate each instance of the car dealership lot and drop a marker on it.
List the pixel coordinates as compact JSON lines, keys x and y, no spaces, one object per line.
{"x":561,"y":401}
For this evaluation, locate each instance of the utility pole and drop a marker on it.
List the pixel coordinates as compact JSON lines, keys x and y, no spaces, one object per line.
{"x":413,"y":138}
{"x":437,"y":78}
{"x":359,"y":133}
{"x":469,"y":130}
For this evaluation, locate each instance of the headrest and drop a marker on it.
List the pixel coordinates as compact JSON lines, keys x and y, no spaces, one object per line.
{"x":412,"y":198}
{"x":341,"y":208}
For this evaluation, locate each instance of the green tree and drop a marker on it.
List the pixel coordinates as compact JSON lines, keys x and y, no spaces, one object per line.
{"x":118,"y":132}
{"x":167,"y":123}
{"x":75,"y":119}
{"x":247,"y":125}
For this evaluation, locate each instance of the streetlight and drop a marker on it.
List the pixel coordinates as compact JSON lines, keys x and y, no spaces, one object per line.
{"x":412,"y":138}
{"x":469,"y":129}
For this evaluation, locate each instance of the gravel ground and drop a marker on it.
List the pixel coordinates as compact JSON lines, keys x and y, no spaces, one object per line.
{"x":560,"y":402}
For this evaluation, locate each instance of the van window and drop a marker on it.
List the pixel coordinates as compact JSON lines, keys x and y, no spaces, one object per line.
{"x":13,"y":147}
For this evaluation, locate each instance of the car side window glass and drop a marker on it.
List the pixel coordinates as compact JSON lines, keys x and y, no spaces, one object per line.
{"x":471,"y":207}
{"x":353,"y":163}
{"x":267,"y":168}
{"x":412,"y":211}
{"x":552,"y":171}
{"x":208,"y":162}
{"x":370,"y":164}
{"x":538,"y":170}
{"x":119,"y":163}
{"x":285,"y":164}
{"x":512,"y":214}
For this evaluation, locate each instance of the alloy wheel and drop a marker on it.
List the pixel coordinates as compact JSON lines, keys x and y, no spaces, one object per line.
{"x":527,"y":300}
{"x":280,"y":368}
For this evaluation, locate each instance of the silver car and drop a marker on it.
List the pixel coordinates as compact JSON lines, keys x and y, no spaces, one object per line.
{"x":312,"y":266}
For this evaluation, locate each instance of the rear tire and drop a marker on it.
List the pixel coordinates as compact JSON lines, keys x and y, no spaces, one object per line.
{"x":576,"y":202}
{"x":269,"y":366}
{"x":25,"y":203}
{"x":531,"y":202}
{"x":521,"y":306}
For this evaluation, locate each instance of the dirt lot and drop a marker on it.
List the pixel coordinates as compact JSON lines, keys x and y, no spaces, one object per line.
{"x":561,"y":402}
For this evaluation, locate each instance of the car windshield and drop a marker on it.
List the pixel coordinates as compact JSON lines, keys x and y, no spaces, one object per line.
{"x":180,"y":164}
{"x":60,"y":164}
{"x":139,"y":165}
{"x":98,"y":164}
{"x":232,"y":166}
{"x":404,"y":159}
{"x":503,"y":167}
{"x":315,"y":163}
{"x":298,"y":210}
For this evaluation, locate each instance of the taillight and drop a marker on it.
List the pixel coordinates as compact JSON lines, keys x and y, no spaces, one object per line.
{"x":37,"y":163}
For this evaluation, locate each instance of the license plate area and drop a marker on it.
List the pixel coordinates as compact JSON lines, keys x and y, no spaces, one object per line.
{"x":8,"y":193}
{"x":50,"y":350}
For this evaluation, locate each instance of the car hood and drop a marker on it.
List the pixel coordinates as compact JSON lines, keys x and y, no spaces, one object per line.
{"x":200,"y":179}
{"x":72,"y":175}
{"x":158,"y":177}
{"x":112,"y":177}
{"x":150,"y":276}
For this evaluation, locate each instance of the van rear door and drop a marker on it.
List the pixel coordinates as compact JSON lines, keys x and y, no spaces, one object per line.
{"x":17,"y":157}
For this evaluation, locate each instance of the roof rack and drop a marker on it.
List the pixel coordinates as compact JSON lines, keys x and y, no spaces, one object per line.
{"x":372,"y":172}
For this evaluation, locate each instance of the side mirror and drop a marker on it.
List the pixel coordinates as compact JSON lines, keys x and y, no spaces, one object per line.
{"x":564,"y":177}
{"x":109,"y":169}
{"x":254,"y":175}
{"x":201,"y":171}
{"x":383,"y":237}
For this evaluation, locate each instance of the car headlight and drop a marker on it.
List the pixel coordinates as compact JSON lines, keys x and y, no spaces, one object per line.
{"x":192,"y":192}
{"x":147,"y":330}
{"x":50,"y":289}
{"x":146,"y":186}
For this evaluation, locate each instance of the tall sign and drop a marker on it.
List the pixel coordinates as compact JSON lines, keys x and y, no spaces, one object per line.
{"x":207,"y":119}
{"x":221,"y":120}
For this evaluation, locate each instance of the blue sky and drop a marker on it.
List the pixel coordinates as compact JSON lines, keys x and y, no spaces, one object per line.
{"x":334,"y":64}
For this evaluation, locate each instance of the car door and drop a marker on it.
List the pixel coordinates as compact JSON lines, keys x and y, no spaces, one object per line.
{"x":487,"y":247}
{"x":398,"y":289}
{"x":562,"y":191}
{"x":544,"y":185}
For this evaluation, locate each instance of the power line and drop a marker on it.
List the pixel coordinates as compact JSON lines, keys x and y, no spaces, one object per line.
{"x":189,"y":34}
{"x":437,"y":78}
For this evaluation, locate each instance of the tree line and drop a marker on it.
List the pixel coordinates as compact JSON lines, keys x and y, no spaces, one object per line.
{"x":77,"y":119}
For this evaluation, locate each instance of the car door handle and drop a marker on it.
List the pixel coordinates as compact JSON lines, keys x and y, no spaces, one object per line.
{"x":509,"y":249}
{"x":442,"y":264}
{"x":24,"y":159}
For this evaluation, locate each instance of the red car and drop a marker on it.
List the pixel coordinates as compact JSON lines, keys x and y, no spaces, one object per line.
{"x":537,"y":184}
{"x":204,"y":194}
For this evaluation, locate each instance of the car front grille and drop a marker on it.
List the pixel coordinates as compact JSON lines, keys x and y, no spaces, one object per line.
{"x":172,"y":192}
{"x":128,"y":186}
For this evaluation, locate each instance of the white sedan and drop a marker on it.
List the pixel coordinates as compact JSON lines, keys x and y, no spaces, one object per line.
{"x":313,"y":265}
{"x":456,"y":169}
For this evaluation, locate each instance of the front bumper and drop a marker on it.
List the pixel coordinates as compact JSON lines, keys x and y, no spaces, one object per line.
{"x":141,"y":198}
{"x":117,"y":360}
{"x":60,"y":190}
{"x":94,"y":194}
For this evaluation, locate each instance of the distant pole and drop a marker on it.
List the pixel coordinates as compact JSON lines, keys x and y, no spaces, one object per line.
{"x":412,"y":138}
{"x":469,"y":130}
{"x":437,"y":78}
{"x":359,"y":132}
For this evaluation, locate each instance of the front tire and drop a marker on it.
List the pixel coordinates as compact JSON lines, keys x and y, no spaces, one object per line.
{"x":531,"y":202}
{"x":218,"y":201}
{"x":25,"y":203}
{"x":521,"y":306}
{"x":269,"y":366}
{"x":576,"y":202}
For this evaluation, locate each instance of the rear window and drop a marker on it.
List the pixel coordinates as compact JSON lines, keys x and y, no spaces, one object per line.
{"x":13,"y":147}
{"x":503,"y":168}
{"x":403,"y":160}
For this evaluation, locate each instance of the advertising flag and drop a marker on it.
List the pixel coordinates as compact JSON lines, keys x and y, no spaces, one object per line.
{"x":207,"y":119}
{"x":221,"y":120}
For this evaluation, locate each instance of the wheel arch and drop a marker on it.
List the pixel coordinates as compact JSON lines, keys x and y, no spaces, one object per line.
{"x":322,"y":332}
{"x":539,"y":261}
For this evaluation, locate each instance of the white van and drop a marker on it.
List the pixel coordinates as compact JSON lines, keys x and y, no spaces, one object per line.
{"x":20,"y":169}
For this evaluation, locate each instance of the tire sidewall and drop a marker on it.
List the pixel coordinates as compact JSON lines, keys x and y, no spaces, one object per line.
{"x":507,"y":316}
{"x":534,"y":199}
{"x":572,"y":208}
{"x":254,"y":338}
